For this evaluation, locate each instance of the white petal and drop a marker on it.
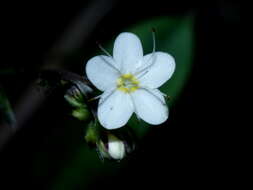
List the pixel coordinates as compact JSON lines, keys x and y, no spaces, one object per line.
{"x":114,"y":109}
{"x":127,"y":52}
{"x":162,"y":66}
{"x":150,"y":106}
{"x":102,"y":72}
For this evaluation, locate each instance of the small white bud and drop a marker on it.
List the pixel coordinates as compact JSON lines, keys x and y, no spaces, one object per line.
{"x":113,"y":148}
{"x":116,"y":147}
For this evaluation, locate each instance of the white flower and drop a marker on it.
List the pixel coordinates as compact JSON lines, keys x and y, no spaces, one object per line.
{"x":129,"y":81}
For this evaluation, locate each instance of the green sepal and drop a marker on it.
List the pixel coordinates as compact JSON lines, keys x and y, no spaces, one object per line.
{"x":92,"y":134}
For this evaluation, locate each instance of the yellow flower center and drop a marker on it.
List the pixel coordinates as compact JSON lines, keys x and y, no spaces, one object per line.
{"x":127,"y":83}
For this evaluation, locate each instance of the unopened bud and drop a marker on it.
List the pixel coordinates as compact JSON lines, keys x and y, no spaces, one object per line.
{"x":110,"y":145}
{"x":116,"y":148}
{"x":113,"y":149}
{"x":76,"y":99}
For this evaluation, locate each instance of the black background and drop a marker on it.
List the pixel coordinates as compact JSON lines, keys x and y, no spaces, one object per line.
{"x":194,"y":151}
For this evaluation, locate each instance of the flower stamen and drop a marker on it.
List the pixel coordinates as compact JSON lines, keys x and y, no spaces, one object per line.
{"x":103,"y":49}
{"x":143,"y":71}
{"x":127,"y":83}
{"x":103,"y":99}
{"x":150,"y":92}
{"x":110,"y":65}
{"x":109,"y":55}
{"x":153,"y":38}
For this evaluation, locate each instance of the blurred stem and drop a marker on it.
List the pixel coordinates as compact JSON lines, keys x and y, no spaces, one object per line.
{"x":73,"y":37}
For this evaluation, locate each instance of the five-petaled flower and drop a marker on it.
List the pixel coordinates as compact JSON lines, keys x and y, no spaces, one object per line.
{"x":129,"y":82}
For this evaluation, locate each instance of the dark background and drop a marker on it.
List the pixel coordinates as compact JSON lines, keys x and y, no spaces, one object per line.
{"x":193,"y":151}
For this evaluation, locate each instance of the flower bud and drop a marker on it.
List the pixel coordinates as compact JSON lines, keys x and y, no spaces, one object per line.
{"x":76,"y":99}
{"x":112,"y":145}
{"x":114,"y":148}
